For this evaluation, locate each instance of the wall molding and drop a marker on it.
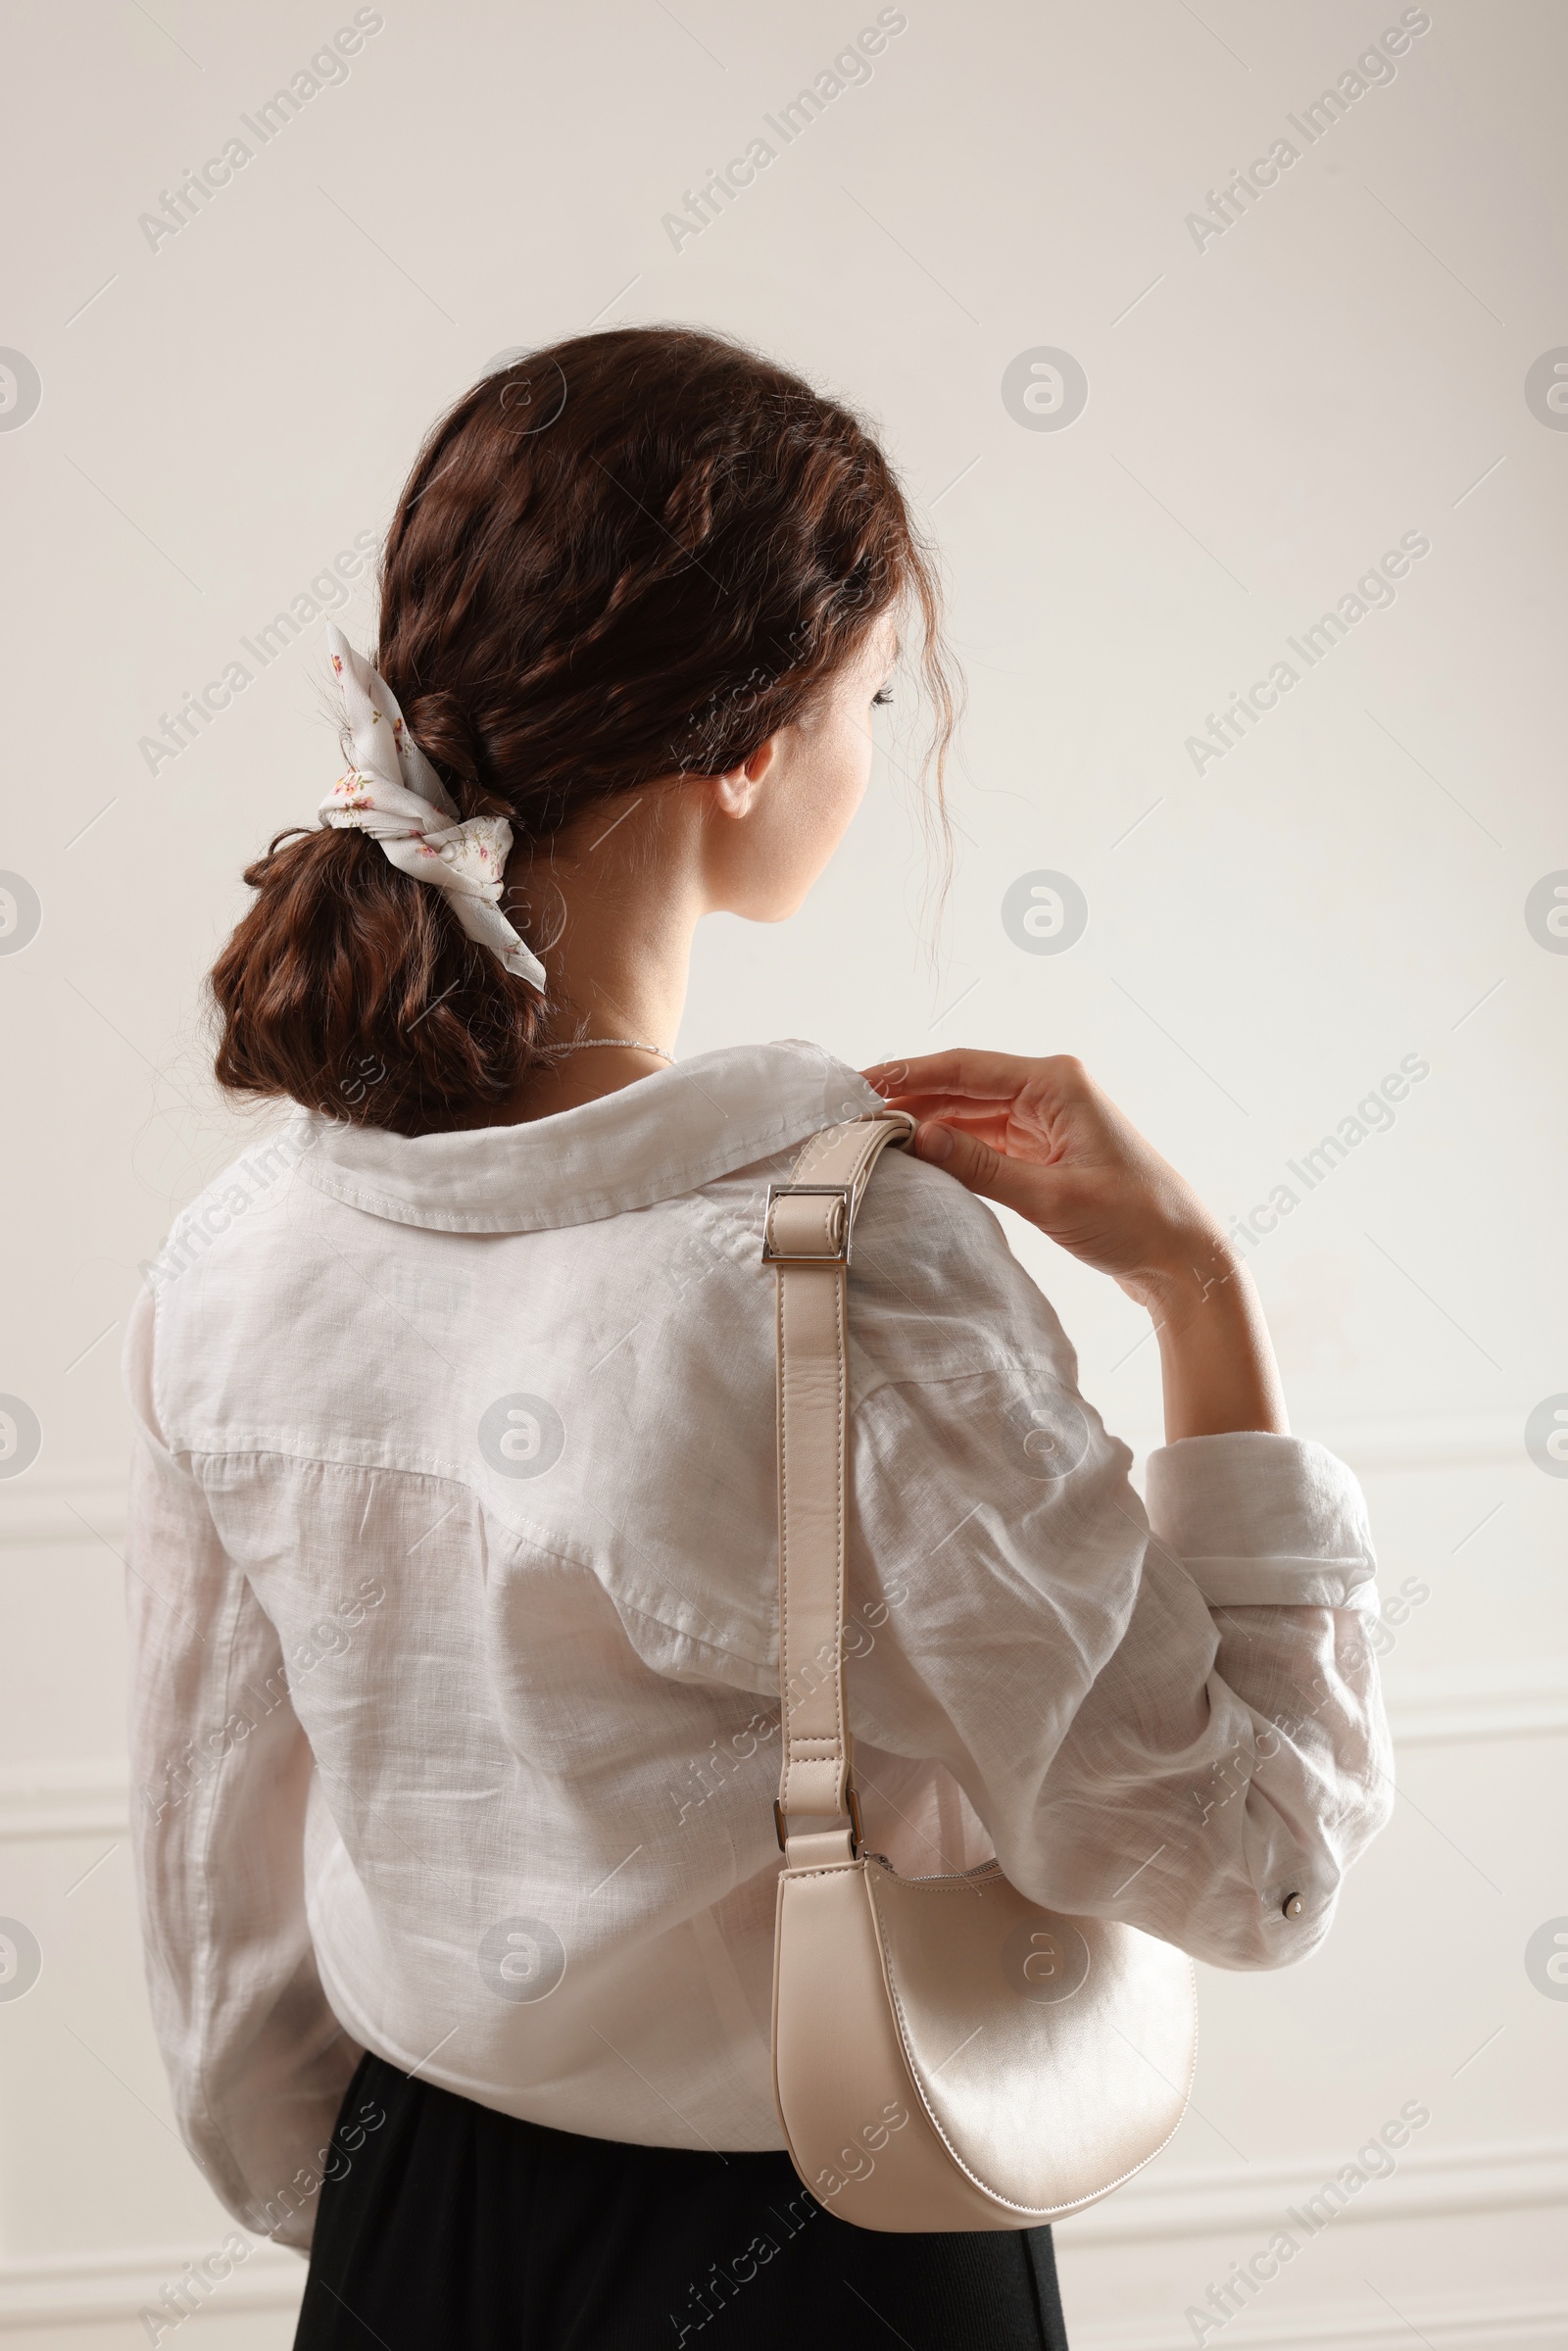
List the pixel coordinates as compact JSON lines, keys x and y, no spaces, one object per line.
{"x":1477,"y":1703}
{"x":1383,"y":1446}
{"x":1427,"y":1441}
{"x":86,"y":1797}
{"x":87,"y":2289}
{"x":1345,"y":2326}
{"x":49,"y":1503}
{"x":1249,"y":2200}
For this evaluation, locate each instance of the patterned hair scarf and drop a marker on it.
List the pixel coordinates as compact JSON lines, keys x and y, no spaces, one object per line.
{"x":394,"y":794}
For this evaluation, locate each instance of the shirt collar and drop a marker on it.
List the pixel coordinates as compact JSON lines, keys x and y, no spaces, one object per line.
{"x":661,"y":1136}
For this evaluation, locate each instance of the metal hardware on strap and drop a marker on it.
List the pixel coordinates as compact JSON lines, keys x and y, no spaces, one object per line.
{"x":833,"y":1231}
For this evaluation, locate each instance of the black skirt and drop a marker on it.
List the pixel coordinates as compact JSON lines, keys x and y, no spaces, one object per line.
{"x":448,"y":2225}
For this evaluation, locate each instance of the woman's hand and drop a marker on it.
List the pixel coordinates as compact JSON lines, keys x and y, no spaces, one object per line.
{"x":1041,"y":1138}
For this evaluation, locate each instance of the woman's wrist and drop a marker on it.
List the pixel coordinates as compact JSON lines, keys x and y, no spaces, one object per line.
{"x":1217,"y":1363}
{"x":1191,"y":1264}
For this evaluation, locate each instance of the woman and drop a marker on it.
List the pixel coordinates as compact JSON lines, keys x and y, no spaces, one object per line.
{"x":454,"y":1561}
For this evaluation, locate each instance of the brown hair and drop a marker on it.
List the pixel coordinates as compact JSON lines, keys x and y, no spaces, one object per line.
{"x":631,"y":555}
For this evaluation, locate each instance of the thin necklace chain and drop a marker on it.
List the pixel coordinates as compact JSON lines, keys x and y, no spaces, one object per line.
{"x":628,"y":1044}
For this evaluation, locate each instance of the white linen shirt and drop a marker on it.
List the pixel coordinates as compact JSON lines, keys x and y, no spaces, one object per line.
{"x":454,"y":1601}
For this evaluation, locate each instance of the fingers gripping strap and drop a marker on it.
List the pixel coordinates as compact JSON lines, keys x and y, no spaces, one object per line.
{"x":809,"y":1235}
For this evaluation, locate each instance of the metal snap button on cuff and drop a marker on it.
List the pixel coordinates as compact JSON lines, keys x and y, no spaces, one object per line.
{"x":1293,"y":1906}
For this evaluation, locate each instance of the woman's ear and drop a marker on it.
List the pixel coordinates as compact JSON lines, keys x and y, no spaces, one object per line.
{"x":735,"y":791}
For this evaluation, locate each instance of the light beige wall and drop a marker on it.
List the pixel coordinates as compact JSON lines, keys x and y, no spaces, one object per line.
{"x":1269,"y":410}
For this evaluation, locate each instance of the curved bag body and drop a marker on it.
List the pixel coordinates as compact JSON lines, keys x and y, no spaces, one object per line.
{"x":949,"y":2056}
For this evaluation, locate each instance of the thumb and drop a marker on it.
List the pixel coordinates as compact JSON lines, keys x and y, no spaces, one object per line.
{"x":977,"y":1167}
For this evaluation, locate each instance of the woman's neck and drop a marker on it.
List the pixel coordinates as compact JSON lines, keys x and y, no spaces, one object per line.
{"x":621,"y":910}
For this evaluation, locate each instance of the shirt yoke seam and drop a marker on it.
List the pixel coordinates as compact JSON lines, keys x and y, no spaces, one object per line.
{"x":550,"y":1550}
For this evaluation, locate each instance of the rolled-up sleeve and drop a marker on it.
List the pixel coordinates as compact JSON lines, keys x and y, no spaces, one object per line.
{"x":221,"y":1774}
{"x":1191,"y":1740}
{"x":1256,"y":1517}
{"x":1167,"y":1715}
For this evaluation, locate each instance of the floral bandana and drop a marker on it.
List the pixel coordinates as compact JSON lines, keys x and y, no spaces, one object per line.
{"x":394,"y":794}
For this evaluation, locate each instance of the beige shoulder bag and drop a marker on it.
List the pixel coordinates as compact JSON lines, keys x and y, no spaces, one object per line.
{"x":946,"y":2055}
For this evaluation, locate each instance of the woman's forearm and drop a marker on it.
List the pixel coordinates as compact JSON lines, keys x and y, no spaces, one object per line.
{"x":1216,"y":1358}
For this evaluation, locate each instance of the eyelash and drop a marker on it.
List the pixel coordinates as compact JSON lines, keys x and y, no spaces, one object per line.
{"x":881,"y":698}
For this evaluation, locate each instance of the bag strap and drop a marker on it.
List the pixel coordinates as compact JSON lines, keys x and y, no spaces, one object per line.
{"x":807,"y":1236}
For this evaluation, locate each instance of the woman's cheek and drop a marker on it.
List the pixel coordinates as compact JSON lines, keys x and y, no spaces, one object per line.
{"x":854,"y":752}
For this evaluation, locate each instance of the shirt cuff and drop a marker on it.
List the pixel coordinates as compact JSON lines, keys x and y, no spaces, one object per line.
{"x":1256,"y":1518}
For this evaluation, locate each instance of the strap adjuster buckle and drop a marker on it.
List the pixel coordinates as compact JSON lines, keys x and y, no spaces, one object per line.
{"x":852,"y":1806}
{"x":837,"y":1255}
